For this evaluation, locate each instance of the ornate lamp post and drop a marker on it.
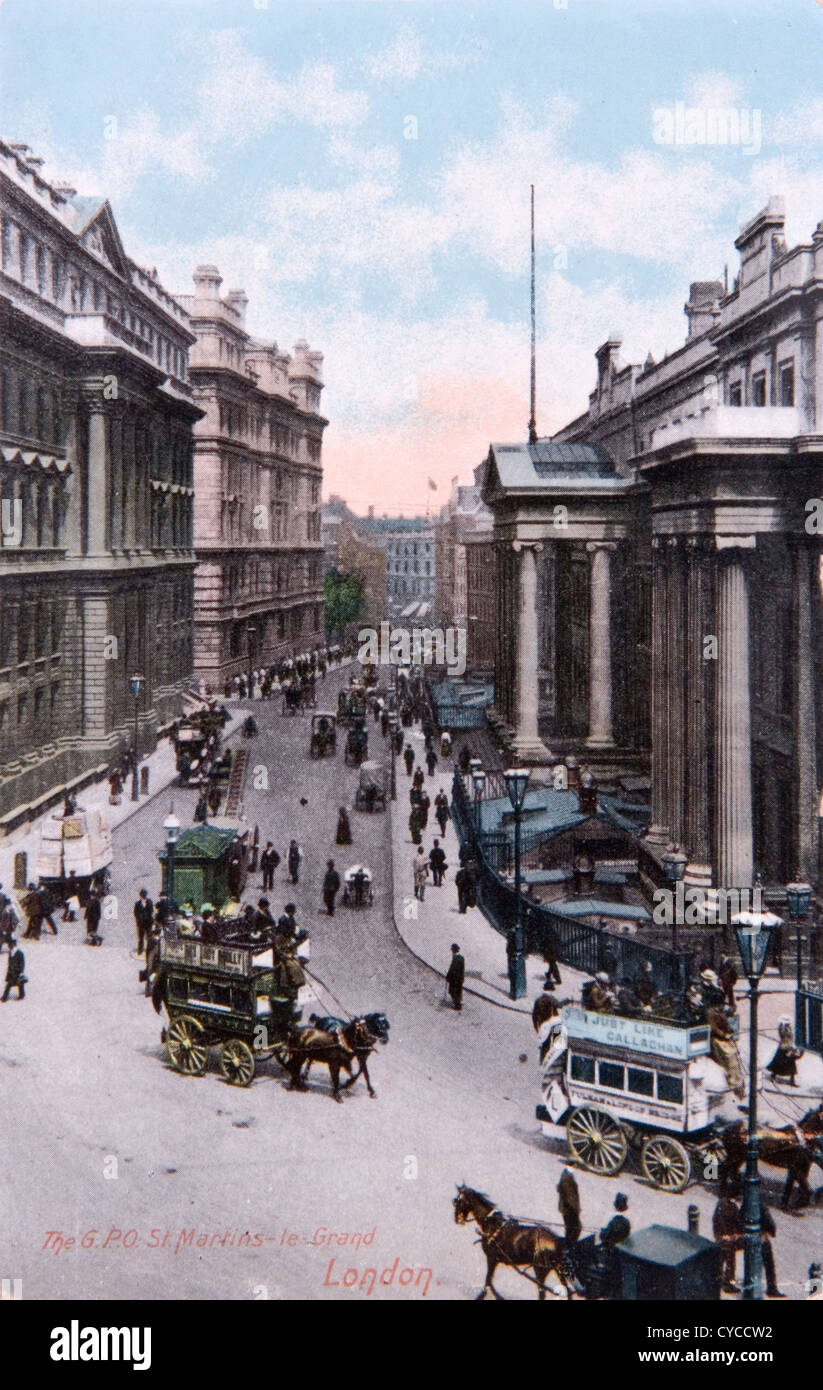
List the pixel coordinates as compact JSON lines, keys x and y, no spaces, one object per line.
{"x":674,"y":867}
{"x":171,"y":827}
{"x":517,"y":780}
{"x":137,"y":682}
{"x":479,"y":783}
{"x":799,"y":896}
{"x":754,"y":932}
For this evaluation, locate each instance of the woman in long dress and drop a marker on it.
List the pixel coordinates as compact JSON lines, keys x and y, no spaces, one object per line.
{"x":343,"y":836}
{"x":783,"y":1066}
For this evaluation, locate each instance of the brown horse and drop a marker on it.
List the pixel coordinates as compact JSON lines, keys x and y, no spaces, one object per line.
{"x":339,"y":1051}
{"x":793,"y":1147}
{"x":507,"y":1241}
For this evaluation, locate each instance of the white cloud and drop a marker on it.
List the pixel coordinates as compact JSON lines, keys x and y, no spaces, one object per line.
{"x":240,"y":97}
{"x":714,"y":90}
{"x":405,"y":58}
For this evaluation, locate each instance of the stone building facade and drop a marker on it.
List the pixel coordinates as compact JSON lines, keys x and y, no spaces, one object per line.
{"x":411,"y":567}
{"x":661,"y":552}
{"x":258,"y":478}
{"x":96,"y":481}
{"x":465,"y":523}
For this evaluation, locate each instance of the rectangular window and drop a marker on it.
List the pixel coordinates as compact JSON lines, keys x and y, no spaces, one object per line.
{"x":641,"y":1082}
{"x":6,"y":244}
{"x":582,"y":1068}
{"x":787,"y":384}
{"x":610,"y":1074}
{"x":670,"y":1088}
{"x":736,"y":394}
{"x":759,"y":388}
{"x":40,"y":267}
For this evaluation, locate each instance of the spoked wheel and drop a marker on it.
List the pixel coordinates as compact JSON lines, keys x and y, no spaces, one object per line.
{"x":186,"y":1046}
{"x":596,"y":1140}
{"x":236,"y":1062}
{"x":666,"y":1163}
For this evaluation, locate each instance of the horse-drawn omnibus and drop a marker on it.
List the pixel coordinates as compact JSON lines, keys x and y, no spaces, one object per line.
{"x":636,"y":1083}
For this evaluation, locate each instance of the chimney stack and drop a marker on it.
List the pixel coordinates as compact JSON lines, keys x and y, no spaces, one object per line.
{"x":208,"y":280}
{"x":238,"y":299}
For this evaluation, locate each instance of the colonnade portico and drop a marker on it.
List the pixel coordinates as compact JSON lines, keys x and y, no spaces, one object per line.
{"x":568,"y":505}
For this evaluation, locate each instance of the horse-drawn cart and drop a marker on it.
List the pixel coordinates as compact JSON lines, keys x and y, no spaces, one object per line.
{"x":220,"y":996}
{"x":357,"y":746}
{"x":323,"y":741}
{"x":636,"y":1083}
{"x":75,"y":852}
{"x":371,"y":789}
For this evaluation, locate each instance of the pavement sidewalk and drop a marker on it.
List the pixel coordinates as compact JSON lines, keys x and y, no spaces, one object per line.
{"x":162,"y":773}
{"x":428,"y":928}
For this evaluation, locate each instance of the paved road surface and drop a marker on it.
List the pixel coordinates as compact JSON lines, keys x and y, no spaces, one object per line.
{"x":100,"y":1136}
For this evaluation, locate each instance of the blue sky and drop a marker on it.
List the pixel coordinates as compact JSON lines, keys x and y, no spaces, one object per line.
{"x":272,"y":140}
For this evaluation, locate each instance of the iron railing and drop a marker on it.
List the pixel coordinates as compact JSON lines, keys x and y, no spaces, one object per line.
{"x":578,"y":944}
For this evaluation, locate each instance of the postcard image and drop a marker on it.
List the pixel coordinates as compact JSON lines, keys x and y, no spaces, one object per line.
{"x":411,"y":634}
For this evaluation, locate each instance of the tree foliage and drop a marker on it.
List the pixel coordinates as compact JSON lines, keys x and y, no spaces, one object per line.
{"x":345,"y":601}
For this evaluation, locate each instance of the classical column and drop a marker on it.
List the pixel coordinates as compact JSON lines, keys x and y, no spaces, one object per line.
{"x":733,"y":760}
{"x":696,"y":836}
{"x":527,"y":743}
{"x":676,"y":691}
{"x":805,"y":855}
{"x":659,"y":832}
{"x":97,"y":481}
{"x":600,"y":645}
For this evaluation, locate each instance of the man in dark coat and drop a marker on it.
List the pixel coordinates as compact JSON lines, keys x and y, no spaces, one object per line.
{"x":94,"y":911}
{"x":727,"y":975}
{"x":431,"y":760}
{"x":15,"y":972}
{"x":408,"y":758}
{"x":331,"y":886}
{"x":415,"y":825}
{"x":728,"y":1229}
{"x":287,"y":924}
{"x":437,"y":860}
{"x":550,"y":953}
{"x":455,"y":977}
{"x":34,"y":913}
{"x":441,"y":811}
{"x":263,"y":920}
{"x":619,"y":1228}
{"x":294,"y":861}
{"x":143,"y":919}
{"x":269,"y":860}
{"x":462,"y":882}
{"x":424,"y":804}
{"x":568,"y":1201}
{"x":47,"y":908}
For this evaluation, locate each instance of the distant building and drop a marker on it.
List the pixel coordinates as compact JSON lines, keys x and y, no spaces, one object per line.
{"x":411,"y":566}
{"x":465,"y":520}
{"x":96,"y":481}
{"x":258,"y":477}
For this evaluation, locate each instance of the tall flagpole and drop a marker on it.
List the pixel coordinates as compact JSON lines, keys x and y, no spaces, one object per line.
{"x":532,"y":420}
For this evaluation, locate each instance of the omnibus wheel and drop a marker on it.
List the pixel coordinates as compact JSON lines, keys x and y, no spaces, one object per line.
{"x":596,"y":1140}
{"x":186,"y":1046}
{"x":236,"y":1063}
{"x":666,"y":1163}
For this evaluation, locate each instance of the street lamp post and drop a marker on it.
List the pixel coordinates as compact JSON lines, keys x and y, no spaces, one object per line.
{"x":171,"y":827}
{"x":517,"y":780}
{"x":674,"y":866}
{"x":799,"y":896}
{"x":479,"y":784}
{"x":137,"y":682}
{"x":754,"y":933}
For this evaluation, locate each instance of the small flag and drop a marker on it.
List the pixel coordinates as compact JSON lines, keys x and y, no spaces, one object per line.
{"x":432,"y":485}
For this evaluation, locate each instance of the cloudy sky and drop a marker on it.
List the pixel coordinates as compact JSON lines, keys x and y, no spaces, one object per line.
{"x":363,"y":171}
